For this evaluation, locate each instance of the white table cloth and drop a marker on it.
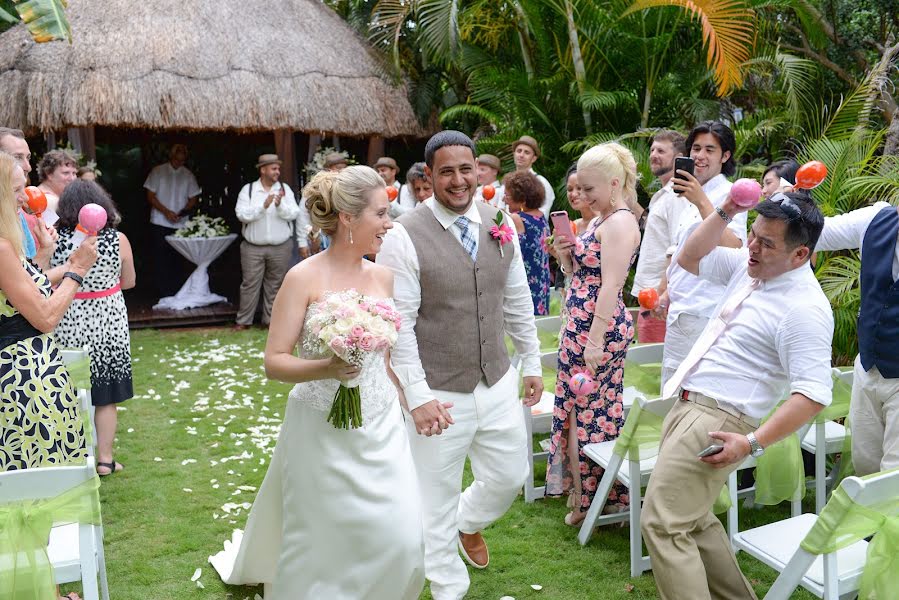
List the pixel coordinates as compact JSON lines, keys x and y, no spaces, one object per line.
{"x":200,"y":251}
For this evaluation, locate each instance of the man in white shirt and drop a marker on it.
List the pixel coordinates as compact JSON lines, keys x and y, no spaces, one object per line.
{"x":689,"y":300}
{"x":489,"y":167}
{"x":874,"y":408}
{"x":172,"y":192}
{"x":460,"y":292}
{"x":418,"y":187}
{"x":659,"y":234}
{"x":770,"y":338}
{"x":267,"y":208}
{"x":525,"y":153}
{"x":387,"y":169}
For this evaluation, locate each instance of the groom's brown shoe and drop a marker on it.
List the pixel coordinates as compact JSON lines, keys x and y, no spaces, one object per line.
{"x":474,"y":549}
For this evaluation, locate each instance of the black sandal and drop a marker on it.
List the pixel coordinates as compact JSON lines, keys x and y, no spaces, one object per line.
{"x":111,"y":466}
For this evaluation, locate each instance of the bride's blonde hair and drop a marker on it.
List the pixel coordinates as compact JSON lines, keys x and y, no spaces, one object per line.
{"x":612,"y":160}
{"x":10,"y":225}
{"x":347,"y":191}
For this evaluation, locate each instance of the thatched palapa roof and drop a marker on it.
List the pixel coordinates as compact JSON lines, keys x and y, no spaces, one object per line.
{"x":201,"y":65}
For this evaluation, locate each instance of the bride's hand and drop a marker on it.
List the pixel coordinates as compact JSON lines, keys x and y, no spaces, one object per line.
{"x":339,"y":369}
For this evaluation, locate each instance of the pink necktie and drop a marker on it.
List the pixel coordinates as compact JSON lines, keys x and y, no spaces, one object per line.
{"x":708,"y":337}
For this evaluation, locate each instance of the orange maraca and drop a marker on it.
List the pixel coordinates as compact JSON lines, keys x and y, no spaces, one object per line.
{"x":37,"y":201}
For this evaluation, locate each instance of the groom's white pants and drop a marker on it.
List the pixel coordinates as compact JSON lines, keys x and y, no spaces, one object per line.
{"x":489,"y":429}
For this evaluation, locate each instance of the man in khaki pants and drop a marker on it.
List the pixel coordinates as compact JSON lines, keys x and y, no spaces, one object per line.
{"x":770,"y":335}
{"x":267,"y":209}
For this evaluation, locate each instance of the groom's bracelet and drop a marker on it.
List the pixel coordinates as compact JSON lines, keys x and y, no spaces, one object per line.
{"x":723,"y":215}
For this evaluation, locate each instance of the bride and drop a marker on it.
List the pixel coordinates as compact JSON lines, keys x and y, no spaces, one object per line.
{"x":338,"y":515}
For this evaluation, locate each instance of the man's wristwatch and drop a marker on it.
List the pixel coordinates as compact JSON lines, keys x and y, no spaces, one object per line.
{"x":755,"y":449}
{"x":74,"y":277}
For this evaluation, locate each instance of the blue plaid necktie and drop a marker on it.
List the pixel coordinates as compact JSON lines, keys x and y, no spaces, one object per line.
{"x":468,"y":241}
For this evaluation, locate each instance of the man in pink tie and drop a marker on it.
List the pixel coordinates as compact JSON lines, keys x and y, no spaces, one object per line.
{"x":769,"y":339}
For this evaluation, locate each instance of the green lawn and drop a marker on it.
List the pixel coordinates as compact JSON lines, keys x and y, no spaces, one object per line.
{"x":195,"y":443}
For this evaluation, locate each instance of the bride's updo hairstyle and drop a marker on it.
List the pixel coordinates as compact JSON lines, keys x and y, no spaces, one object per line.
{"x":612,"y":160}
{"x":331,"y":193}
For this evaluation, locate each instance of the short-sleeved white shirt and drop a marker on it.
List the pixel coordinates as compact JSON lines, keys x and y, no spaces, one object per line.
{"x":777,"y":341}
{"x":173,"y":187}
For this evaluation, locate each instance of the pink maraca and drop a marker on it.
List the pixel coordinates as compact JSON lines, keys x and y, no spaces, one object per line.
{"x":92,"y":218}
{"x":582,"y":384}
{"x":746,"y":192}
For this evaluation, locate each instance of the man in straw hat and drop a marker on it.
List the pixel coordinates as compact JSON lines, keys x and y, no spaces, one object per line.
{"x":387,"y":169}
{"x":489,"y":168}
{"x":172,"y":192}
{"x":335,"y":161}
{"x":267,"y":209}
{"x":525,"y":153}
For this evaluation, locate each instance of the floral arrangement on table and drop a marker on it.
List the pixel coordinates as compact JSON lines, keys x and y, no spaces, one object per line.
{"x":203,"y":226}
{"x":353,"y":327}
{"x":318,"y":160}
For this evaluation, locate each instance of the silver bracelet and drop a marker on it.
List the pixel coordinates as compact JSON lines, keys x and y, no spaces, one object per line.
{"x":723,"y":214}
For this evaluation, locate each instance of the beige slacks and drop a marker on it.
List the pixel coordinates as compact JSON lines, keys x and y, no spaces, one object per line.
{"x":262,"y":267}
{"x":874,"y":418}
{"x":691,"y":555}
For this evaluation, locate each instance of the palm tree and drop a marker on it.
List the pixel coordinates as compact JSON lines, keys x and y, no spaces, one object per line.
{"x":45,"y":19}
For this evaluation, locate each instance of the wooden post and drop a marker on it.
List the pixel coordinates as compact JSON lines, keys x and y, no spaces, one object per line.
{"x":286,"y":150}
{"x":375,"y":148}
{"x":315,"y":140}
{"x":84,"y":141}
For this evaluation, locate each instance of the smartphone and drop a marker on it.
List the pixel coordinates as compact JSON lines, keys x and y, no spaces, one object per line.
{"x":684,"y":163}
{"x":562,"y":225}
{"x":711,"y":450}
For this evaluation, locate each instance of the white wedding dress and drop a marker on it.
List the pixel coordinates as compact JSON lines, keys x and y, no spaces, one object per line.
{"x":338,"y":516}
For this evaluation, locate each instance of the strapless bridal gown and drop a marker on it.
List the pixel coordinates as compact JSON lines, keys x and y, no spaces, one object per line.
{"x":338,"y":516}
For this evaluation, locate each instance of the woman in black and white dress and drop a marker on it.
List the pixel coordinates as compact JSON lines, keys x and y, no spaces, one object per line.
{"x":97,"y":319}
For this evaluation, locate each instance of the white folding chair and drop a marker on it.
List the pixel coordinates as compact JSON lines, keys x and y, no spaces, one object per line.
{"x":828,"y":435}
{"x":634,"y":474}
{"x":550,"y":324}
{"x":537,"y":419}
{"x":75,"y":550}
{"x":72,"y":356}
{"x":829,"y":576}
{"x":641,"y":354}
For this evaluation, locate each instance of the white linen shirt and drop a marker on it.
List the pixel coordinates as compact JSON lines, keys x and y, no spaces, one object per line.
{"x":659,"y":234}
{"x":549,"y":198}
{"x":173,"y":187}
{"x":407,"y":197}
{"x":847,"y":231}
{"x":399,"y":254}
{"x":688,"y":293}
{"x":778,"y":340}
{"x":267,"y":226}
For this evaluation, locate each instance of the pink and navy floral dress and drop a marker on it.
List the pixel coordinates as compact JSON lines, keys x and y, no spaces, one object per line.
{"x":599,"y":416}
{"x":536,"y":260}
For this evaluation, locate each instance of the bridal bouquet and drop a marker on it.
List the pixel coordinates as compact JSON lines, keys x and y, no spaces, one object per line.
{"x":353,"y":327}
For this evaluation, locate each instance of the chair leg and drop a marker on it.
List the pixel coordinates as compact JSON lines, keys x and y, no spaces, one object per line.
{"x":636,"y":534}
{"x":87,"y":555}
{"x":101,"y":563}
{"x":790,"y":576}
{"x":529,"y":485}
{"x":733,"y":526}
{"x":820,"y":468}
{"x":599,"y":499}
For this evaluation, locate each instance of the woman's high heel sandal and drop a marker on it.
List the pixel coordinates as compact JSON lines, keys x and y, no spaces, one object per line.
{"x":576,"y":516}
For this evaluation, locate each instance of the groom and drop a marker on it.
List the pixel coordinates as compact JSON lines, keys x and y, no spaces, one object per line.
{"x":460,"y":292}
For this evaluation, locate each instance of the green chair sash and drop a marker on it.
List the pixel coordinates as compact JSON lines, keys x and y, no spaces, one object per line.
{"x":645,"y":378}
{"x":640,"y":436}
{"x":80,"y":373}
{"x":843,"y":522}
{"x":779,"y":472}
{"x":25,"y":570}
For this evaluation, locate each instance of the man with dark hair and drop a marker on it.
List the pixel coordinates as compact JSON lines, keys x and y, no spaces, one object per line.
{"x":660,"y":231}
{"x":874,"y":408}
{"x":770,"y":338}
{"x":461,"y":291}
{"x":172,"y":192}
{"x":689,"y":300}
{"x":779,"y":176}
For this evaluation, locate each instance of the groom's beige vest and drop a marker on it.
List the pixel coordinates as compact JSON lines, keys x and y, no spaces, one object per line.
{"x":460,"y":322}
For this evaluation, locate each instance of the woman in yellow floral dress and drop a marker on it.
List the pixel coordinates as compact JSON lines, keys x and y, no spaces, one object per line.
{"x":40,"y":421}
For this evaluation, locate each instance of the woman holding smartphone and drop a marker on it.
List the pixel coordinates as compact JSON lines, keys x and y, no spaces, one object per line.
{"x":599,"y":328}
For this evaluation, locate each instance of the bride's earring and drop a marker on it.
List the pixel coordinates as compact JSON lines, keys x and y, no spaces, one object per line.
{"x":351,"y":236}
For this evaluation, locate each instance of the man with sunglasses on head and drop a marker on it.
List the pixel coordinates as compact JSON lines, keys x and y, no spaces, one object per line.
{"x":769,"y":338}
{"x":874,"y":407}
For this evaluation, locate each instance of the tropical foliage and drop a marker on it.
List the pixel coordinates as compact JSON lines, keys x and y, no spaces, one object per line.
{"x":45,"y":19}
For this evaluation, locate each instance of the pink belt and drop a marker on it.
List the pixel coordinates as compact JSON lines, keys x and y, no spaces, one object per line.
{"x":101,"y":294}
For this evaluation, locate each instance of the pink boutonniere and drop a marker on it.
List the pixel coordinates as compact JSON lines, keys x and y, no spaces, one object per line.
{"x":501,"y":232}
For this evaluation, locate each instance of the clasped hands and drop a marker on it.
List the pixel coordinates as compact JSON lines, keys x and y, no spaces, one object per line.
{"x":432,"y":418}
